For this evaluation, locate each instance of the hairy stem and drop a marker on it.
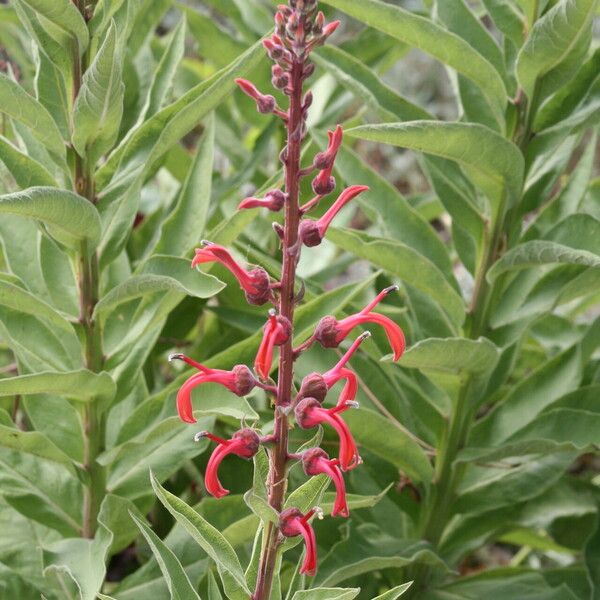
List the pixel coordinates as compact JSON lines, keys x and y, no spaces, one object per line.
{"x":279,"y":454}
{"x":88,"y":283}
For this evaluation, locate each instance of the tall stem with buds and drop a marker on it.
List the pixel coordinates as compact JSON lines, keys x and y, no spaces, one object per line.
{"x":298,"y":28}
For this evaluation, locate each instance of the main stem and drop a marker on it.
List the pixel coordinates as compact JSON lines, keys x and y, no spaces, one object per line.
{"x":279,"y":454}
{"x":88,"y":282}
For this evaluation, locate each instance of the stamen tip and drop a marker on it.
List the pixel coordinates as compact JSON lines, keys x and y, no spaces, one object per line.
{"x":392,"y":288}
{"x":352,"y":404}
{"x":200,"y":435}
{"x":272,"y":312}
{"x":318,"y":512}
{"x":365,"y":335}
{"x":206,"y":242}
{"x":175,"y":356}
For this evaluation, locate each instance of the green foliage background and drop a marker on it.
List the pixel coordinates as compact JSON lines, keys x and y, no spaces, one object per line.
{"x":475,"y":128}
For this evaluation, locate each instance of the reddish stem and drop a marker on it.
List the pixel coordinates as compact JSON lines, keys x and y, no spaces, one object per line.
{"x":279,"y":453}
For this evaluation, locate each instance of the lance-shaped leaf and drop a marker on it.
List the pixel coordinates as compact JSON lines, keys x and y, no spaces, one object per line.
{"x":185,"y":224}
{"x":20,"y":106}
{"x":99,"y":105}
{"x":395,"y":592}
{"x":541,"y":252}
{"x":26,"y":171}
{"x":208,"y":537}
{"x":67,"y":215}
{"x":152,"y":140}
{"x":64,"y":15}
{"x":161,"y":274}
{"x":177,"y":580}
{"x":327,"y":594}
{"x":563,"y":30}
{"x":80,"y":385}
{"x":420,"y":32}
{"x":404,"y":262}
{"x":492,"y":162}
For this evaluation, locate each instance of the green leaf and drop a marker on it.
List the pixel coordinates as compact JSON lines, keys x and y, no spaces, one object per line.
{"x":62,"y":211}
{"x":152,"y":140}
{"x":64,"y":15}
{"x":19,"y":105}
{"x":402,"y":261}
{"x":494,"y":163}
{"x":552,"y":38}
{"x":32,"y":442}
{"x":82,"y":385}
{"x":99,"y":106}
{"x":456,"y":356}
{"x":207,"y":536}
{"x":185,"y":225}
{"x":592,"y":559}
{"x":394,"y":213}
{"x":19,"y":299}
{"x":421,"y":33}
{"x":256,"y":496}
{"x":364,"y":83}
{"x":541,"y":252}
{"x":380,"y":436}
{"x":82,"y":561}
{"x":394,"y":592}
{"x":165,"y":71}
{"x":161,"y":274}
{"x":327,"y":594}
{"x":26,"y":171}
{"x":177,"y":580}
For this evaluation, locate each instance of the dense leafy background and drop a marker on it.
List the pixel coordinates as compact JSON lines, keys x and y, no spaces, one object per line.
{"x":475,"y":128}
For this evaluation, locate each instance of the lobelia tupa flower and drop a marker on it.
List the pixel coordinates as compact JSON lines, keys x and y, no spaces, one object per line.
{"x":299,"y":28}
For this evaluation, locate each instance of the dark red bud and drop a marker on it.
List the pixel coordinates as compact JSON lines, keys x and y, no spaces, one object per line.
{"x":244,"y":380}
{"x":327,"y":331}
{"x":302,"y":412}
{"x":309,"y":234}
{"x":323,"y":186}
{"x":260,"y":282}
{"x":313,"y":386}
{"x":250,"y":442}
{"x":310,"y":456}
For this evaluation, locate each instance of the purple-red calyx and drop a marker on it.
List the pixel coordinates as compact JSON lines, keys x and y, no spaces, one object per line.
{"x":312,"y":232}
{"x":315,"y":461}
{"x":239,"y":380}
{"x":255,"y":282}
{"x":330,"y":332}
{"x":309,"y":413}
{"x":244,"y":443}
{"x":324,"y":183}
{"x":316,"y":385}
{"x":276,"y":332}
{"x":265,"y":103}
{"x":292,"y":523}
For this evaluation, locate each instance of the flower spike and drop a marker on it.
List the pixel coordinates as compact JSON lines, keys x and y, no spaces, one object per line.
{"x":255,"y":282}
{"x":316,"y":461}
{"x":276,"y":332}
{"x":311,"y":232}
{"x":292,"y":523}
{"x":309,"y":413}
{"x":244,"y":444}
{"x":239,"y":380}
{"x":330,"y":332}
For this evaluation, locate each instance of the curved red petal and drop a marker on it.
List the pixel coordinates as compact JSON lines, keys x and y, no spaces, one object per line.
{"x":309,"y":565}
{"x":211,"y":477}
{"x":340,"y":506}
{"x":393,"y":331}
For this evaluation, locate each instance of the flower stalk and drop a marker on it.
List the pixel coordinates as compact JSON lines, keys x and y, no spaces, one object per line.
{"x":299,"y":27}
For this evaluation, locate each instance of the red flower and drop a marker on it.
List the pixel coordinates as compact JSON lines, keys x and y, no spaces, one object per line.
{"x":244,"y":444}
{"x":324,"y":183}
{"x":264,"y":103}
{"x":316,"y":385}
{"x":255,"y":282}
{"x":311,"y":232}
{"x":276,"y":332}
{"x":309,"y":413}
{"x":316,"y":461}
{"x":330,"y":332}
{"x":292,"y":523}
{"x":273,"y":200}
{"x":239,"y":380}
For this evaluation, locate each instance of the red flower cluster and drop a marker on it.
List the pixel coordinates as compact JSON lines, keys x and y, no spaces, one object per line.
{"x":298,"y":29}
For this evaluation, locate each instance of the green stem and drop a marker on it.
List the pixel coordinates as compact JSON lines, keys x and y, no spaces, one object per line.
{"x":88,"y":283}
